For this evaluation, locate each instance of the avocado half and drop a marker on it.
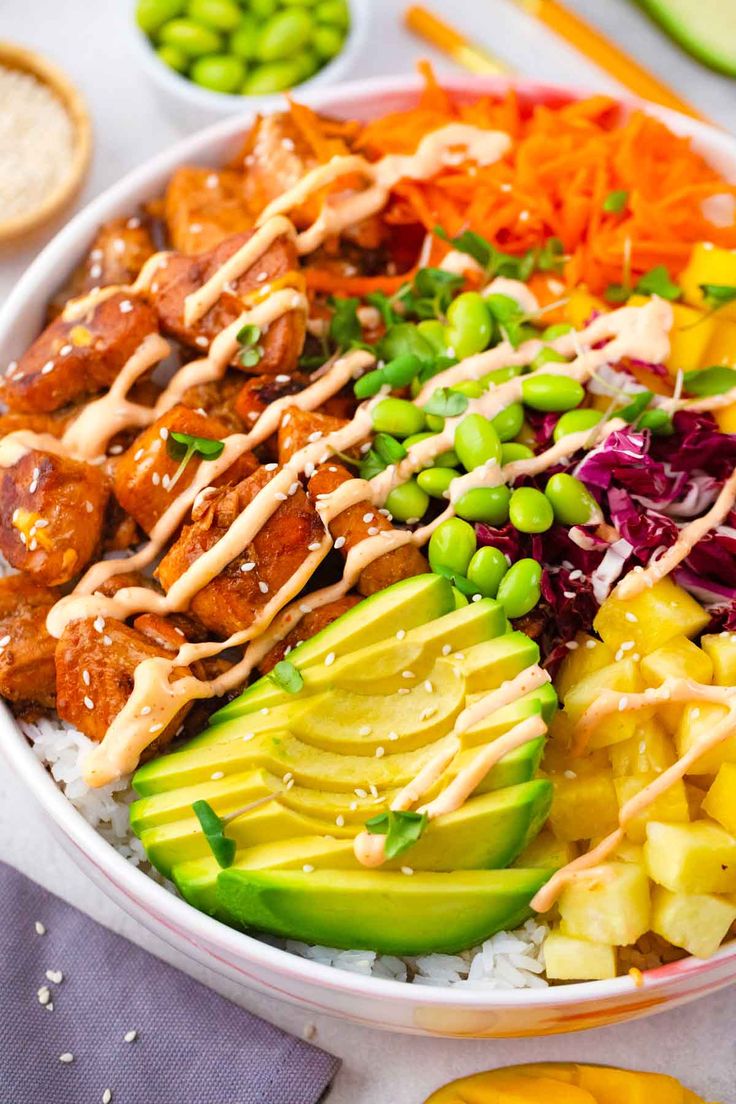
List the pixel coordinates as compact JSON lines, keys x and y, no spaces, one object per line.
{"x":297,"y":775}
{"x":706,"y":29}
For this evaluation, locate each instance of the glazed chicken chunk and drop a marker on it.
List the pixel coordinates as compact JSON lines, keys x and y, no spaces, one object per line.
{"x":27,"y":671}
{"x":203,"y":207}
{"x":120,"y":249}
{"x":233,"y":600}
{"x":51,"y":515}
{"x":310,"y":624}
{"x":144,"y":474}
{"x":299,"y":428}
{"x":72,"y":358}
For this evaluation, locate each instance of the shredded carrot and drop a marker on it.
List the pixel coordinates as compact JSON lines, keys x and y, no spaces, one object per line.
{"x":332,"y":282}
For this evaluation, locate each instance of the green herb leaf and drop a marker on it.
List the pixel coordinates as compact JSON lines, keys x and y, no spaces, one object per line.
{"x":509,"y":317}
{"x":178,"y":444}
{"x":250,"y":351}
{"x":384,"y":306}
{"x":388,"y":448}
{"x":548,"y":258}
{"x":460,"y":582}
{"x":657,"y":282}
{"x":659,"y":422}
{"x":371,"y":465}
{"x":345,"y":329}
{"x":551,"y":257}
{"x":470,"y":243}
{"x":636,"y":407}
{"x":616,"y":293}
{"x":248,"y":335}
{"x":402,"y":829}
{"x":213,"y":827}
{"x":429,"y":294}
{"x":710,"y":381}
{"x":446,"y":403}
{"x":718,"y":295}
{"x":286,"y":675}
{"x":615,"y":202}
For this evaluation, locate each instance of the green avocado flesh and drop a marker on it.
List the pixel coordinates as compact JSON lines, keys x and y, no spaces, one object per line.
{"x":705,"y":28}
{"x":297,"y":779}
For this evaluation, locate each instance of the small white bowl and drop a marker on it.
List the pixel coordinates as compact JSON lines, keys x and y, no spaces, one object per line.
{"x":191,"y":106}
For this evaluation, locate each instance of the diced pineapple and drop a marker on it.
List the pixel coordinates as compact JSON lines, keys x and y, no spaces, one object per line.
{"x":696,"y":723}
{"x":581,"y":306}
{"x":583,"y":807}
{"x":608,"y":904}
{"x":721,"y":650}
{"x":720,"y":801}
{"x":654,"y":617}
{"x":695,"y":798}
{"x":722,"y":345}
{"x":622,"y":675}
{"x":671,"y":806}
{"x":697,"y":922}
{"x":557,"y":760}
{"x":546,"y":851}
{"x":678,"y":658}
{"x":629,"y":852}
{"x":691,"y":334}
{"x":708,"y":264}
{"x":570,"y":959}
{"x":589,"y":656}
{"x":650,"y":750}
{"x":691,"y":858}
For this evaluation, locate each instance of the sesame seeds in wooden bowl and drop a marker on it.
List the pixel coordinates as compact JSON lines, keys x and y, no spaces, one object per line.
{"x":45,"y":141}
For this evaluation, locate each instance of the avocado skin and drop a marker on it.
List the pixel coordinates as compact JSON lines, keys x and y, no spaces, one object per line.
{"x":383,"y":911}
{"x":716,"y":50}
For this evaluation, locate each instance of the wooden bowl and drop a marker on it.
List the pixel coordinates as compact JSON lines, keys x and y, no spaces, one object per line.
{"x":16,"y":57}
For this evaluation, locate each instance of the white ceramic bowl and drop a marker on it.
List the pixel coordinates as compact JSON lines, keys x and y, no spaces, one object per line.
{"x":192,"y":106}
{"x":388,"y":1004}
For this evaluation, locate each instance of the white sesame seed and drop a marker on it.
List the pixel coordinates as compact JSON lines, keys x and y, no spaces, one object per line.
{"x":392,"y":735}
{"x":39,"y":927}
{"x":155,"y":479}
{"x":48,"y":367}
{"x":403,"y":690}
{"x":368,"y":517}
{"x":270,"y":467}
{"x":360,"y":792}
{"x":408,"y":870}
{"x":5,"y":641}
{"x":88,"y":702}
{"x":263,"y":586}
{"x":373,"y":789}
{"x":340,"y":820}
{"x":428,"y":687}
{"x":590,"y":643}
{"x":107,"y":1096}
{"x":446,"y":649}
{"x":314,"y":547}
{"x":65,"y":350}
{"x":130,"y":1036}
{"x":365,"y":730}
{"x":329,"y":659}
{"x":408,"y":674}
{"x":217,"y":775}
{"x":380,"y":752}
{"x":85,"y":677}
{"x":247,"y":566}
{"x":307,"y":868}
{"x":54,"y":976}
{"x":339,"y":542}
{"x":631,"y":617}
{"x":98,"y":624}
{"x":623,"y":703}
{"x":155,"y":728}
{"x":279,"y":496}
{"x":66,"y":1058}
{"x":572,"y":645}
{"x":44,"y":994}
{"x":569,"y":774}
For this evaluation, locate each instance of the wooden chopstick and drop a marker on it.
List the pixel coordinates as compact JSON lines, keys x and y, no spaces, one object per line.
{"x":449,"y":40}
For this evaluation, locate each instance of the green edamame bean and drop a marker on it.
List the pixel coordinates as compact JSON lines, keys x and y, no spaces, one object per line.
{"x":405,"y":339}
{"x":285,"y":34}
{"x":486,"y":570}
{"x":572,"y":502}
{"x":530,"y":510}
{"x":448,"y":459}
{"x":550,"y":393}
{"x":263,"y":9}
{"x":558,"y":330}
{"x":469,"y":325}
{"x":398,"y":417}
{"x":433,"y":331}
{"x":451,"y":546}
{"x":435,"y":481}
{"x":189,"y":37}
{"x":244,"y":39}
{"x":277,"y":76}
{"x":435,"y":422}
{"x":174,"y":58}
{"x":659,"y":421}
{"x":500,"y":375}
{"x":519,"y":590}
{"x":472,"y":388}
{"x":327,"y":40}
{"x":476,"y":442}
{"x":575,"y":420}
{"x":460,"y":599}
{"x":407,"y":502}
{"x":512,"y":450}
{"x":333,"y":11}
{"x":308,"y":63}
{"x":150,"y":15}
{"x":400,"y":371}
{"x":368,"y":385}
{"x":415,"y":438}
{"x":219,"y":72}
{"x":488,"y":504}
{"x":220,"y":15}
{"x":547,"y":356}
{"x":508,"y":421}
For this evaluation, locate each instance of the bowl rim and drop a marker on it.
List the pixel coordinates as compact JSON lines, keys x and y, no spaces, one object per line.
{"x":168,"y":910}
{"x":46,"y":72}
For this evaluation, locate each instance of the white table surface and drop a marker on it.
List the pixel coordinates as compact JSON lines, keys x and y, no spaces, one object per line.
{"x":88,"y":38}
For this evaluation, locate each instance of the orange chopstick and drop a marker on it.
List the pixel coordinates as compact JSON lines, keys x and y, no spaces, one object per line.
{"x":604,"y":53}
{"x":440,"y":34}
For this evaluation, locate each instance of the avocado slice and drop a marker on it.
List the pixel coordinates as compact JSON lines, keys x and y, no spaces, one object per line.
{"x":704,"y":28}
{"x":488,"y":832}
{"x":406,"y":604}
{"x":380,"y":910}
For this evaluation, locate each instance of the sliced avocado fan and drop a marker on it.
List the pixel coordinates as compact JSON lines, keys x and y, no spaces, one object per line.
{"x":704,"y":28}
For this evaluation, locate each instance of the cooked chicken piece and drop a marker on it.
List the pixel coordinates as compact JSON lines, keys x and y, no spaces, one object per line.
{"x":95,"y":669}
{"x":171,"y":631}
{"x":120,"y":531}
{"x":301,"y":427}
{"x":356,"y":524}
{"x":115,"y":583}
{"x":234,"y":599}
{"x":53,"y":424}
{"x":51,"y":515}
{"x":182,"y":275}
{"x":310,"y":625}
{"x":74,"y":358}
{"x":258,"y":392}
{"x":142,"y":481}
{"x":217,"y":399}
{"x":27,"y":671}
{"x":120,"y":249}
{"x":205,"y":206}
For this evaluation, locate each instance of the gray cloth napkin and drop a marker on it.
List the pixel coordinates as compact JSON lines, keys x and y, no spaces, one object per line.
{"x":138,"y":1031}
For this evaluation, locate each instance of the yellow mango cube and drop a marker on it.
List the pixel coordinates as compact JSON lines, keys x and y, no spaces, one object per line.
{"x":651,"y":618}
{"x":695,"y":796}
{"x":697,"y":722}
{"x":678,"y":658}
{"x":581,"y":305}
{"x":671,"y":806}
{"x":589,"y":656}
{"x":726,"y":417}
{"x":546,"y":851}
{"x":623,"y":676}
{"x":720,"y":800}
{"x":691,"y":334}
{"x":708,"y":264}
{"x":699,"y":857}
{"x":570,"y":959}
{"x":721,"y":650}
{"x":583,"y":806}
{"x":697,"y":922}
{"x":607,"y":904}
{"x":617,"y":1086}
{"x":722,"y":346}
{"x":649,"y":751}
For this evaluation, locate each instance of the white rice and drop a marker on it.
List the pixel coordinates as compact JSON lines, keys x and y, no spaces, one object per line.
{"x":508,"y":960}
